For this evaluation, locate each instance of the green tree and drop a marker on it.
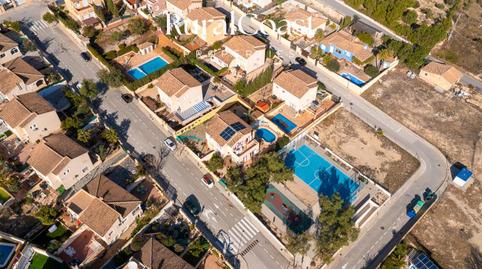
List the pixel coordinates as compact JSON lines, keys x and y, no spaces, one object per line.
{"x":410,"y":17}
{"x":110,"y":135}
{"x":113,"y":77}
{"x":333,"y":65}
{"x":298,"y":243}
{"x":319,"y":35}
{"x":89,"y":31}
{"x":346,"y":21}
{"x":100,"y":12}
{"x":88,"y":89}
{"x":398,"y":258}
{"x":49,"y":17}
{"x":112,"y":8}
{"x":80,"y":103}
{"x":215,"y":163}
{"x":28,"y":45}
{"x":198,"y":247}
{"x":138,"y":26}
{"x":371,"y":70}
{"x":46,"y":214}
{"x":13,"y":25}
{"x":71,"y":123}
{"x":84,"y":136}
{"x":116,"y":36}
{"x":335,"y":227}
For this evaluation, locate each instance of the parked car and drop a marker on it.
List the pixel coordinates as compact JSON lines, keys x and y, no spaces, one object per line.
{"x":169,"y":142}
{"x":85,"y":56}
{"x":208,"y":180}
{"x":300,"y":60}
{"x":127,"y":97}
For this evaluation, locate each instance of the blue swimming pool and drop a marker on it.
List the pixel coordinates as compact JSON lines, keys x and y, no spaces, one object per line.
{"x":321,"y":175}
{"x":147,"y":68}
{"x":6,"y":252}
{"x":266,"y":135}
{"x":353,"y":79}
{"x":283,"y":123}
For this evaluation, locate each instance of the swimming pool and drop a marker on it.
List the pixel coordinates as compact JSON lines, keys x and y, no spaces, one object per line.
{"x":353,"y":79}
{"x":266,"y":135}
{"x":323,"y":177}
{"x":6,"y":252}
{"x":147,"y":68}
{"x":283,"y":123}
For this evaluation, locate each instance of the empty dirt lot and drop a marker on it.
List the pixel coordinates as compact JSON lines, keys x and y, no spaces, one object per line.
{"x":453,"y":228}
{"x":376,"y":156}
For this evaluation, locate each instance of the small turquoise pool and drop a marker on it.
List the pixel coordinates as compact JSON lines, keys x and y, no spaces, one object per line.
{"x":6,"y":252}
{"x":283,"y":123}
{"x":147,"y":68}
{"x":266,"y":135}
{"x":353,"y":79}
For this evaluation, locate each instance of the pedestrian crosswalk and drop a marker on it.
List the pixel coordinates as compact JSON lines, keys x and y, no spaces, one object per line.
{"x":36,"y":26}
{"x":241,"y":234}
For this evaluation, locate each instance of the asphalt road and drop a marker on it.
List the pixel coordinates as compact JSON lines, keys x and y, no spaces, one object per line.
{"x":141,"y":134}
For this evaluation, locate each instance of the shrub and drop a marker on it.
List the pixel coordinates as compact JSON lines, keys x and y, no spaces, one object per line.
{"x":89,"y":31}
{"x":245,"y":88}
{"x":137,"y":26}
{"x":333,"y":65}
{"x":125,"y":50}
{"x":215,"y":163}
{"x":28,"y":45}
{"x":113,"y":78}
{"x":46,"y":214}
{"x":366,"y":38}
{"x":371,"y":70}
{"x":13,"y":25}
{"x":283,"y":141}
{"x":97,"y":55}
{"x":173,"y":54}
{"x":110,"y":55}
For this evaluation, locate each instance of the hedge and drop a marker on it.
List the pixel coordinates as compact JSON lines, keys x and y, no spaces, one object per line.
{"x":97,"y":55}
{"x":245,"y":88}
{"x":171,"y":53}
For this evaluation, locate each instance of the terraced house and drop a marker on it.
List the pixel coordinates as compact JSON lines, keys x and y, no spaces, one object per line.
{"x":30,"y":117}
{"x":19,"y":77}
{"x":59,"y":160}
{"x":8,"y":49}
{"x":105,"y":208}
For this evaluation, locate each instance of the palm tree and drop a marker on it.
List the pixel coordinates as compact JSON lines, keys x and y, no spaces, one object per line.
{"x":383,"y":54}
{"x":84,"y":136}
{"x":110,"y":135}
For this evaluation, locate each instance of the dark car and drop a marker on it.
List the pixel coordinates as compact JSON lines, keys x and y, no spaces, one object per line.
{"x":85,"y":56}
{"x":127,"y":97}
{"x":300,"y":60}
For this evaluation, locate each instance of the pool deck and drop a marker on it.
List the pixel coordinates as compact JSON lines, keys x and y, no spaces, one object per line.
{"x":354,"y":71}
{"x":299,"y":119}
{"x":132,"y":59}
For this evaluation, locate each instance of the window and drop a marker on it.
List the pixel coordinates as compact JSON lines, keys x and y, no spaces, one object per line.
{"x":39,"y":82}
{"x":14,"y":50}
{"x":2,"y":55}
{"x":66,"y":172}
{"x":84,"y":169}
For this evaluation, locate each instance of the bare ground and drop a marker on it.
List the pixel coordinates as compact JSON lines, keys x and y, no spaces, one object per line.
{"x":453,"y":228}
{"x":376,"y":156}
{"x":465,"y":46}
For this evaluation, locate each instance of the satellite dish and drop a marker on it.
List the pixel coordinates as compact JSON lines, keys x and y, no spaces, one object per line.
{"x":132,"y":265}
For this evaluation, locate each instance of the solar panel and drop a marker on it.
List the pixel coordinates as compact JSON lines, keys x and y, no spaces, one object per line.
{"x":227,"y":133}
{"x":238,"y":126}
{"x":422,"y":261}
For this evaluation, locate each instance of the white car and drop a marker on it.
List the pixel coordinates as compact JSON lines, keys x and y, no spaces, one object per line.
{"x":169,"y":142}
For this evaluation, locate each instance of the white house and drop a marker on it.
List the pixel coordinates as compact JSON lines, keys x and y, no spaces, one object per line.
{"x":19,"y":77}
{"x":243,"y":51}
{"x":8,"y":49}
{"x":442,"y":76}
{"x":231,"y":136}
{"x":105,"y":208}
{"x":305,"y":23}
{"x":30,"y":117}
{"x":208,"y":23}
{"x":59,"y":160}
{"x":296,"y":88}
{"x":253,"y":3}
{"x":182,"y":7}
{"x":179,"y":90}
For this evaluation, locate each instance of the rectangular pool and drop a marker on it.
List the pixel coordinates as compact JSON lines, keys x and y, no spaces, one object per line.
{"x":323,"y":177}
{"x":355,"y":80}
{"x":147,"y":68}
{"x":283,"y":123}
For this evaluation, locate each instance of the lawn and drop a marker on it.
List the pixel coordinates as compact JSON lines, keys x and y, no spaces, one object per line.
{"x":4,"y":195}
{"x":40,"y":261}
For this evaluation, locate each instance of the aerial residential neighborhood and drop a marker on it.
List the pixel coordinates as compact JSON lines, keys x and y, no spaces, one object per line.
{"x":240,"y":134}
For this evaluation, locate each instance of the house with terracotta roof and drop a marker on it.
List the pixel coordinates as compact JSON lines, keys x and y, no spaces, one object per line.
{"x":19,"y":77}
{"x":30,"y":117}
{"x":182,"y":7}
{"x":243,"y":51}
{"x":83,"y":11}
{"x":179,"y":90}
{"x":154,"y":255}
{"x":304,"y":23}
{"x":8,"y":49}
{"x":296,"y":88}
{"x":231,"y":136}
{"x":254,"y":3}
{"x":345,"y":46}
{"x":132,"y":4}
{"x":208,"y":23}
{"x":105,"y":208}
{"x":59,"y":160}
{"x":442,"y":76}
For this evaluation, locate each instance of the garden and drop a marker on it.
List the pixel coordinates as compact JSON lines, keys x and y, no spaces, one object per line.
{"x":40,"y":261}
{"x":51,"y":241}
